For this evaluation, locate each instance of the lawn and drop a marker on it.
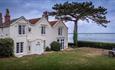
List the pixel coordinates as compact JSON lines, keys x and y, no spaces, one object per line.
{"x":70,"y":59}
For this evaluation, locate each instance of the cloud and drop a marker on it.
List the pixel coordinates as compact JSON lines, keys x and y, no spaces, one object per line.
{"x":34,"y":8}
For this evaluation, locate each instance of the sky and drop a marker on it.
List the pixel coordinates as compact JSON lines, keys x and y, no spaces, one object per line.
{"x":35,"y":8}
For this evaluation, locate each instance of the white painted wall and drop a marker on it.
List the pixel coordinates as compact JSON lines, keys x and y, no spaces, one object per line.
{"x":4,"y":32}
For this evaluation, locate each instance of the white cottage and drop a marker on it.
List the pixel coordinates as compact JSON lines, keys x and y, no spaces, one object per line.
{"x":34,"y":35}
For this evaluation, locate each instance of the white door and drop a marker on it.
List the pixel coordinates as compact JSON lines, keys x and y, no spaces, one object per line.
{"x":37,"y":47}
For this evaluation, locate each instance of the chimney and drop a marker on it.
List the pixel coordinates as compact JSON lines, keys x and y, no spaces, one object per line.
{"x":0,"y":18}
{"x":45,"y":14}
{"x":7,"y":16}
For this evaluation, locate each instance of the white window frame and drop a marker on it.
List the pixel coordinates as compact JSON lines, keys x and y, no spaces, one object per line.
{"x":21,"y":29}
{"x":60,"y":31}
{"x":19,"y":47}
{"x":43,"y":29}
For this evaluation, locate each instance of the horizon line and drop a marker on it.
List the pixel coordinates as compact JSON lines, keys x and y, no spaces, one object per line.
{"x":93,"y":33}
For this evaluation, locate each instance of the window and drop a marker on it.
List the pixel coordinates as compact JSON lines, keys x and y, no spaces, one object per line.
{"x":43,"y":30}
{"x":44,"y":44}
{"x":61,"y":41}
{"x":60,"y":31}
{"x":29,"y":48}
{"x":19,"y":47}
{"x":21,"y":29}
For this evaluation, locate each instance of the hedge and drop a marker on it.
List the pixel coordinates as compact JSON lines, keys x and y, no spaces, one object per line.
{"x":6,"y":47}
{"x":102,"y":45}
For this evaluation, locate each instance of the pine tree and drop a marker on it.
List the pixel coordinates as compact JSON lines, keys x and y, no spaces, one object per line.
{"x":75,"y":11}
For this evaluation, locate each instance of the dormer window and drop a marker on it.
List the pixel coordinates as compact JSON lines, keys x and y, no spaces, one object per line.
{"x":21,"y":29}
{"x":60,"y":31}
{"x":43,"y":29}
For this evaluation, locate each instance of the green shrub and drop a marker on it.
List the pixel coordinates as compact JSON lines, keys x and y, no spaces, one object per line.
{"x":6,"y":47}
{"x":48,"y":49}
{"x":55,"y":46}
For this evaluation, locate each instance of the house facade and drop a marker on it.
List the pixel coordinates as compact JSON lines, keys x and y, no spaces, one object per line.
{"x":32,"y":36}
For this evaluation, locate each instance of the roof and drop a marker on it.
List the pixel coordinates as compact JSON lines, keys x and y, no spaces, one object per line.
{"x":8,"y":24}
{"x":33,"y":21}
{"x":2,"y":25}
{"x":14,"y":20}
{"x":52,"y":22}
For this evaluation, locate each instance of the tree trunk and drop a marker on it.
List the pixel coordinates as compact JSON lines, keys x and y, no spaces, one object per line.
{"x":75,"y":35}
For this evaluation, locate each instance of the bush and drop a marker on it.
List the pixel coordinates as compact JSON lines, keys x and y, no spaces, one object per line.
{"x":48,"y":49}
{"x":6,"y":47}
{"x":55,"y":46}
{"x":102,"y":45}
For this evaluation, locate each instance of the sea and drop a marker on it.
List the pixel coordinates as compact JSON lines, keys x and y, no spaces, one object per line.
{"x":95,"y":37}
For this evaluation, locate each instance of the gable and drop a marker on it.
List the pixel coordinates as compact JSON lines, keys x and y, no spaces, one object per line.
{"x":20,"y":20}
{"x":59,"y":23}
{"x":43,"y":21}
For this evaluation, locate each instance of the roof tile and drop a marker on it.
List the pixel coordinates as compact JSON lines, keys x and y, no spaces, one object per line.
{"x":33,"y":21}
{"x":52,"y":22}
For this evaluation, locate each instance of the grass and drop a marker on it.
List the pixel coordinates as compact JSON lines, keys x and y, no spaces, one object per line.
{"x":73,"y":59}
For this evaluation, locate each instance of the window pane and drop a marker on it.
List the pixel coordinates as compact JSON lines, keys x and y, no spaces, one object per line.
{"x":43,"y":30}
{"x":21,"y":46}
{"x":29,"y":48}
{"x":44,"y":44}
{"x":19,"y":29}
{"x":60,"y":31}
{"x":17,"y":47}
{"x":23,"y":28}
